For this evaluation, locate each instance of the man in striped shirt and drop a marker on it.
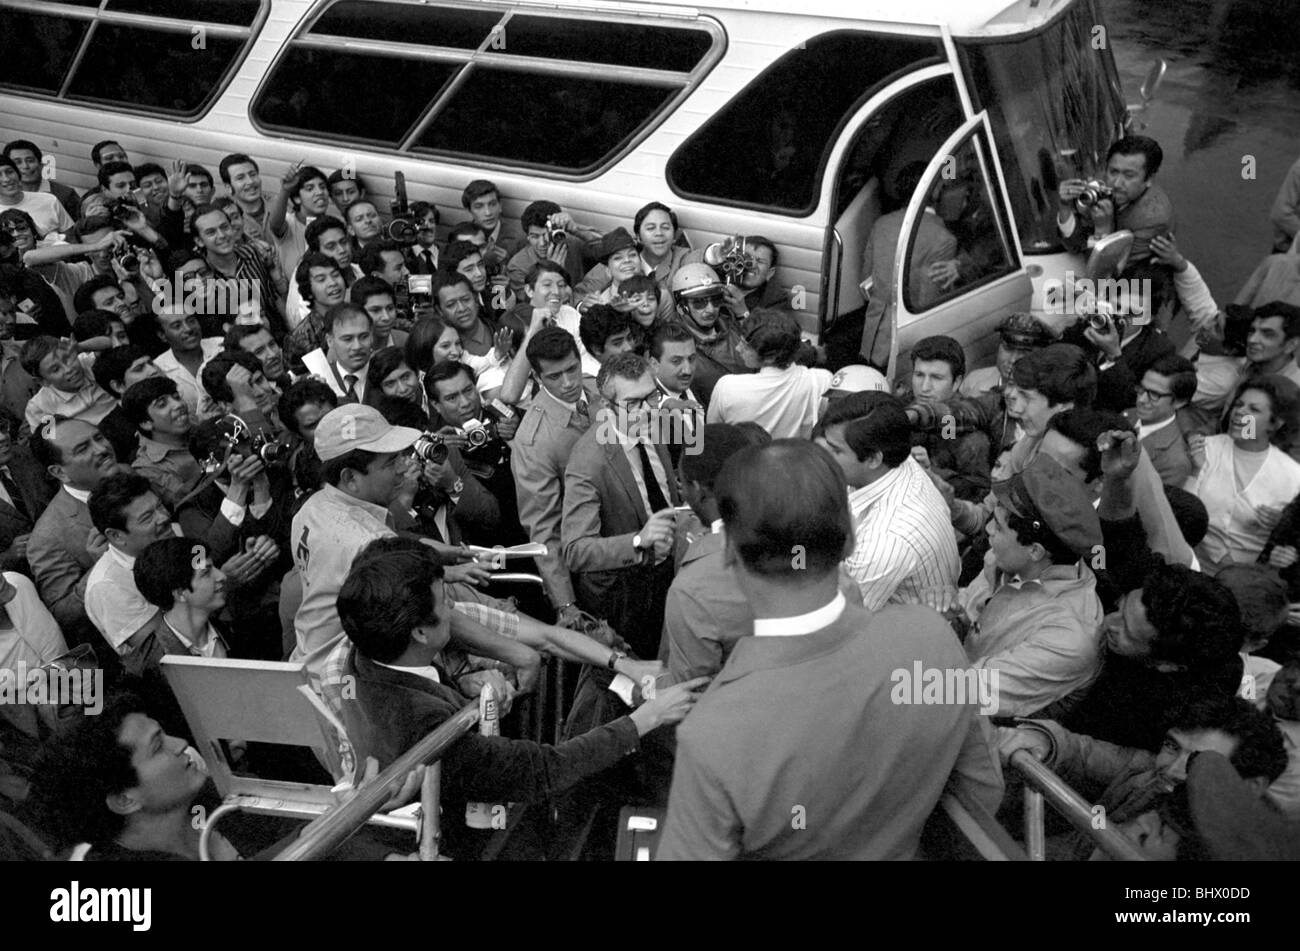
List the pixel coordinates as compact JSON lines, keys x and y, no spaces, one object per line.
{"x":903,"y":538}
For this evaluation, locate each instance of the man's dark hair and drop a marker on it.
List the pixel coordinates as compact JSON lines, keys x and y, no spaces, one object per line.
{"x":719,"y":442}
{"x":1197,"y":620}
{"x":535,"y":215}
{"x":358,"y":460}
{"x":942,"y":348}
{"x":79,"y":769}
{"x":774,"y":335}
{"x":1181,"y":373}
{"x":1262,"y":596}
{"x":84,"y":299}
{"x":42,"y":444}
{"x":462,"y":230}
{"x":383,"y":362}
{"x":1028,"y":531}
{"x":1060,"y":371}
{"x":238,"y":333}
{"x":111,"y":498}
{"x":141,"y":394}
{"x":667,"y":333}
{"x":22,"y":145}
{"x":443,"y":371}
{"x":34,"y":351}
{"x":598,"y":324}
{"x":552,"y":344}
{"x":198,"y":171}
{"x":319,"y":227}
{"x":456,"y":252}
{"x":1148,"y":148}
{"x":235,"y":158}
{"x":363,"y":200}
{"x":621,"y":366}
{"x":111,"y":366}
{"x":343,"y":311}
{"x":1189,"y":512}
{"x":387,"y":595}
{"x":94,"y":323}
{"x":873,"y":422}
{"x":399,"y":412}
{"x":639,"y":284}
{"x":308,"y":173}
{"x":149,"y":168}
{"x":341,"y":174}
{"x":543,"y":267}
{"x":299,"y":395}
{"x":1289,"y":313}
{"x":302,"y":273}
{"x":213,"y":374}
{"x":444,"y":278}
{"x":364,"y":288}
{"x":1082,"y":425}
{"x":97,"y":149}
{"x":372,"y":255}
{"x":1260,"y":752}
{"x":758,"y":241}
{"x":109,"y":169}
{"x":421,"y":208}
{"x":9,"y":424}
{"x":476,"y":190}
{"x":781,"y":499}
{"x":165,"y":567}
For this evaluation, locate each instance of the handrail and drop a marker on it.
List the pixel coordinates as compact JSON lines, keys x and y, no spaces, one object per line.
{"x":329,"y":830}
{"x":988,"y":838}
{"x":1043,"y":784}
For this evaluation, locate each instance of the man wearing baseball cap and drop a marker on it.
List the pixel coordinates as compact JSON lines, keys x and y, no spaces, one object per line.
{"x":1037,"y":617}
{"x":1018,"y":335}
{"x":363,"y":467}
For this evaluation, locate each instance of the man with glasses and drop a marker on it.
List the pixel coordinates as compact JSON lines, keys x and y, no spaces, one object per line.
{"x":700,"y":296}
{"x":619,"y":524}
{"x":1166,"y":388}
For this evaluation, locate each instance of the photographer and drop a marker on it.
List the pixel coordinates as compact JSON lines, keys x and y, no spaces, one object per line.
{"x":1129,"y":200}
{"x":116,"y":248}
{"x":482,"y":435}
{"x":30,"y":296}
{"x":552,"y":236}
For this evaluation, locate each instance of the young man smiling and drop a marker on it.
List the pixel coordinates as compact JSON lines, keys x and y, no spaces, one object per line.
{"x":164,"y":421}
{"x":65,"y":388}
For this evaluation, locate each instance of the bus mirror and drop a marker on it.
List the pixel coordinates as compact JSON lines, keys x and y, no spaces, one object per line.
{"x":1109,"y":256}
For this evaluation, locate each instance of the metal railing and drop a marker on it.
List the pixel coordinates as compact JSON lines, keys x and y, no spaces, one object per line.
{"x":327,"y":832}
{"x":1044,"y":786}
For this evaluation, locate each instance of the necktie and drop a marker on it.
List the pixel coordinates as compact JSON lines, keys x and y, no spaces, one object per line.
{"x":351,"y":395}
{"x":580,"y":414}
{"x":428,"y":260}
{"x":652,"y":490}
{"x":12,"y":488}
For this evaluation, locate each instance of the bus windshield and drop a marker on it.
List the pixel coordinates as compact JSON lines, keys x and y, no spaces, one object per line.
{"x":1055,"y":104}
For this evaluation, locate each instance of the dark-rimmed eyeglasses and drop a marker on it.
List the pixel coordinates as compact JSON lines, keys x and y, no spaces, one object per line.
{"x":1154,"y":396}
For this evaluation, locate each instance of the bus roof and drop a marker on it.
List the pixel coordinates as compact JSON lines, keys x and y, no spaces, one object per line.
{"x":974,"y":18}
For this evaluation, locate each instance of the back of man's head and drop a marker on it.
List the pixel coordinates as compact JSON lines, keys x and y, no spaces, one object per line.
{"x":1197,"y":619}
{"x":1061,"y":372}
{"x":873,"y":422}
{"x":388,"y":593}
{"x":551,"y":344}
{"x":720,"y":442}
{"x":1260,"y":752}
{"x":786,"y":511}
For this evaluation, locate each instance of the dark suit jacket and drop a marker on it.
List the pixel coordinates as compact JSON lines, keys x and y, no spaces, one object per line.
{"x":807,"y":726}
{"x":1167,"y":448}
{"x":34,"y":491}
{"x":602,"y":512}
{"x":60,"y":562}
{"x":395,"y":708}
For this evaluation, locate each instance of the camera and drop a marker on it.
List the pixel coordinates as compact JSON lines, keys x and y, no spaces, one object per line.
{"x":479,"y":433}
{"x":1092,"y":193}
{"x":126,"y":257}
{"x":554,"y":231}
{"x":236,"y":434}
{"x":430,"y":447}
{"x":402,"y":228}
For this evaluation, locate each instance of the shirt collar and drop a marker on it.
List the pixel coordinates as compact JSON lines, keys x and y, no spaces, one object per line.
{"x":189,"y":643}
{"x":571,"y":407}
{"x":716,"y":527}
{"x":1145,"y":429}
{"x":339,"y":497}
{"x":869,"y":493}
{"x":81,"y":495}
{"x":155,"y":450}
{"x":428,"y":673}
{"x":121,"y":557}
{"x":802,"y":623}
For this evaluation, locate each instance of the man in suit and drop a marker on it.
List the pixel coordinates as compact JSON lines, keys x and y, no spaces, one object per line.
{"x":618,"y":528}
{"x":559,"y":414}
{"x":812,"y":686}
{"x":393,"y":609}
{"x":25,"y":490}
{"x":1166,"y":388}
{"x":64,"y":545}
{"x":934,"y":244}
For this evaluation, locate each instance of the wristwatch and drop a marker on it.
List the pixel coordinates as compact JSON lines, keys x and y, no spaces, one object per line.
{"x":636,"y":542}
{"x":614,"y":658}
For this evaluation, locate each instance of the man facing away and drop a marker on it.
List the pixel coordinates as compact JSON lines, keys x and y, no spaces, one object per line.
{"x":812,"y":686}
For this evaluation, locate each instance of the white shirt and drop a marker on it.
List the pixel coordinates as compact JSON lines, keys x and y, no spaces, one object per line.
{"x":784,"y":402}
{"x":81,"y":495}
{"x":1234,"y":534}
{"x":187,"y":383}
{"x":802,"y":623}
{"x":318,"y":364}
{"x":50,"y":216}
{"x":634,"y":460}
{"x":1146,"y":429}
{"x":328,"y":532}
{"x":35,"y":637}
{"x":903,"y":538}
{"x":113,"y":602}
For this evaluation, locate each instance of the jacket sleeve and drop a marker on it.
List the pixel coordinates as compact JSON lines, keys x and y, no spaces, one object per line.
{"x":691,"y":638}
{"x":1091,"y":765}
{"x":61,"y":582}
{"x":584,"y":548}
{"x":494,"y":768}
{"x":978,"y":772}
{"x":701,"y":823}
{"x":538,"y":488}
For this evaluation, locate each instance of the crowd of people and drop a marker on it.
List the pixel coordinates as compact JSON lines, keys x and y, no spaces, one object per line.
{"x":279,"y":424}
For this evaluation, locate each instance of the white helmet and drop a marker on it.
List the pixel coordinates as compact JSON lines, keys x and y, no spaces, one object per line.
{"x":695,"y":280}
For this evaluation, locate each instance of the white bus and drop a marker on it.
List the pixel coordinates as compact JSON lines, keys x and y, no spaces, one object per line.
{"x":794,"y":121}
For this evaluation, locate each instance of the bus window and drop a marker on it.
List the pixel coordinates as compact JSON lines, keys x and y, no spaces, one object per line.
{"x":635,"y":45}
{"x":961,"y":241}
{"x":449,"y":27}
{"x":152,"y":68}
{"x":319,"y":89}
{"x":39,"y":49}
{"x":231,"y":12}
{"x":767,"y":148}
{"x":562,"y":121}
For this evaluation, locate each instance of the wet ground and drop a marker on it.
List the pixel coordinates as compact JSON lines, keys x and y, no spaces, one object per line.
{"x":1232,"y":94}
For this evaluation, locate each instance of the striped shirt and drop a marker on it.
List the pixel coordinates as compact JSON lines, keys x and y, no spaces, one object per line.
{"x":903,"y":539}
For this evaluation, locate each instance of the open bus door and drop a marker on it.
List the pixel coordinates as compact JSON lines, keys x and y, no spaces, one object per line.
{"x":959,"y":268}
